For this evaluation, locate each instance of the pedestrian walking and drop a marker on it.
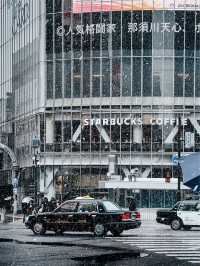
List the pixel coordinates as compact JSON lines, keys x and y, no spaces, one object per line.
{"x":52,"y":204}
{"x":132,"y":204}
{"x":44,"y":205}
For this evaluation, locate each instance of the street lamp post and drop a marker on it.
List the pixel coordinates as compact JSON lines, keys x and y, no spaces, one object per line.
{"x":178,"y":197}
{"x":36,"y":159}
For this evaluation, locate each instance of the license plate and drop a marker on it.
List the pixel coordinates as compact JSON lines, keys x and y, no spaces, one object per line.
{"x":132,"y":215}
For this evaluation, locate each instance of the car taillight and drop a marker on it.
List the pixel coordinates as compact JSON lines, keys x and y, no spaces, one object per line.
{"x":126,"y":216}
{"x":138,"y":216}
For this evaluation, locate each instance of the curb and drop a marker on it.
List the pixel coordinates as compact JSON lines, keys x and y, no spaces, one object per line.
{"x":136,"y":252}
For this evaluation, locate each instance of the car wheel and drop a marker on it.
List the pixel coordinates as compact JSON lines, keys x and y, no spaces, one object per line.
{"x":187,"y":227}
{"x":116,"y":232}
{"x":39,"y":229}
{"x":176,"y":224}
{"x":99,"y":230}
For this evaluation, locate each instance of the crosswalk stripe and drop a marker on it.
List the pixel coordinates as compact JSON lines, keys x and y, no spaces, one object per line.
{"x":183,"y":255}
{"x":180,"y":247}
{"x":173,"y":253}
{"x":188,"y":257}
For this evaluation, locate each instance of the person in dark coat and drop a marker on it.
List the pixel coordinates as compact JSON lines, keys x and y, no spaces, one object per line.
{"x":52,"y":204}
{"x":132,"y":204}
{"x":44,"y":205}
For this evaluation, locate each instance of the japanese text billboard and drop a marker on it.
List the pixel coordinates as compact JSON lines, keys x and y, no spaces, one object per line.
{"x":80,"y":6}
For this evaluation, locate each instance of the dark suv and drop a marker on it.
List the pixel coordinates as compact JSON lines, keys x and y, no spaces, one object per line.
{"x":98,"y":216}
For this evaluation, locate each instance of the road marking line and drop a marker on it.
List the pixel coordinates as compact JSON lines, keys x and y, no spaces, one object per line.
{"x":189,"y":255}
{"x":187,"y":258}
{"x":177,"y":252}
{"x":170,"y":249}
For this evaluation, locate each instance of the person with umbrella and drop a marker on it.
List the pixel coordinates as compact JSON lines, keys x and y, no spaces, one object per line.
{"x":25,"y":207}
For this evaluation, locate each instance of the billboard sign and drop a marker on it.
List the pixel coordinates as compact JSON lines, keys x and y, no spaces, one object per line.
{"x":190,"y":166}
{"x":128,"y":5}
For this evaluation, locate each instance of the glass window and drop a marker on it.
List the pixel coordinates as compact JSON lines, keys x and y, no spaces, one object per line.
{"x":126,"y":37}
{"x":168,"y":77}
{"x":49,"y":6}
{"x":126,"y":77}
{"x":136,"y":76}
{"x":147,"y":35}
{"x":110,"y":206}
{"x":87,"y":207}
{"x":136,"y":35}
{"x":58,"y":80}
{"x":105,"y":77}
{"x":68,"y":35}
{"x":106,"y":37}
{"x":67,"y":207}
{"x":157,"y":76}
{"x":169,"y":17}
{"x":49,"y":80}
{"x":158,"y":37}
{"x":189,"y":77}
{"x":116,"y":34}
{"x":96,"y":78}
{"x":86,"y":78}
{"x":67,"y":79}
{"x":179,"y":33}
{"x":197,"y":78}
{"x":187,"y":207}
{"x":198,"y":34}
{"x":147,"y":76}
{"x":178,"y":77}
{"x":58,"y":37}
{"x":77,"y":78}
{"x":116,"y":77}
{"x":58,"y":5}
{"x":49,"y":36}
{"x":96,"y":39}
{"x":189,"y":33}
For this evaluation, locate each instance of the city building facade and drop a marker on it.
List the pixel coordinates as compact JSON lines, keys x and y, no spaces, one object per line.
{"x":108,"y":88}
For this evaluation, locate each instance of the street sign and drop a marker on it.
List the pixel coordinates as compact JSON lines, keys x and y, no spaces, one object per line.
{"x":176,"y":160}
{"x":189,"y":140}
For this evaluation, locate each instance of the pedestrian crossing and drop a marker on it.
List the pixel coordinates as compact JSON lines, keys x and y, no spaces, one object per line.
{"x":184,"y":248}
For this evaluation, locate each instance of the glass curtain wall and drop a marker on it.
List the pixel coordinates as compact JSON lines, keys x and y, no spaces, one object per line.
{"x":117,"y":82}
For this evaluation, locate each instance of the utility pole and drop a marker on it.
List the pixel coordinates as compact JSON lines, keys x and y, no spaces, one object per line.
{"x":36,"y":159}
{"x":178,"y":196}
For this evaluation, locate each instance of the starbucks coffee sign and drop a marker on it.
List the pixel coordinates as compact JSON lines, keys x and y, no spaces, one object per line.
{"x":20,"y":14}
{"x":137,"y":121}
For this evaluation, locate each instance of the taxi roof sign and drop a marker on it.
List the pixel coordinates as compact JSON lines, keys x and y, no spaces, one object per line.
{"x":84,"y":197}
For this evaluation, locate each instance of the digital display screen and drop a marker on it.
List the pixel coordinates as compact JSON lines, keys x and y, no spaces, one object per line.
{"x":84,"y":6}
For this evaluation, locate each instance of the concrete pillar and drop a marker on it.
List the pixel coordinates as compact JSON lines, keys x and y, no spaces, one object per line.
{"x":112,"y":164}
{"x":49,"y":130}
{"x":137,"y":134}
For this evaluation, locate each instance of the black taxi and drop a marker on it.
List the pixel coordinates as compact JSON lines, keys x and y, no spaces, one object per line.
{"x":82,"y":214}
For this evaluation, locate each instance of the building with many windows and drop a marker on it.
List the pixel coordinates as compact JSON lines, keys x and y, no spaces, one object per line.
{"x":107,"y":86}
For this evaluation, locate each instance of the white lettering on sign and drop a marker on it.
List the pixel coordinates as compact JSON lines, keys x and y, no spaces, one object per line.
{"x":136,"y":121}
{"x":132,"y":27}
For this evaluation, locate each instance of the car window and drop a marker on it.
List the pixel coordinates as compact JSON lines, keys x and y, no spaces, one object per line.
{"x":188,"y":207}
{"x":101,"y":208}
{"x":67,"y":207}
{"x":87,"y":207}
{"x":175,"y":208}
{"x":110,"y":206}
